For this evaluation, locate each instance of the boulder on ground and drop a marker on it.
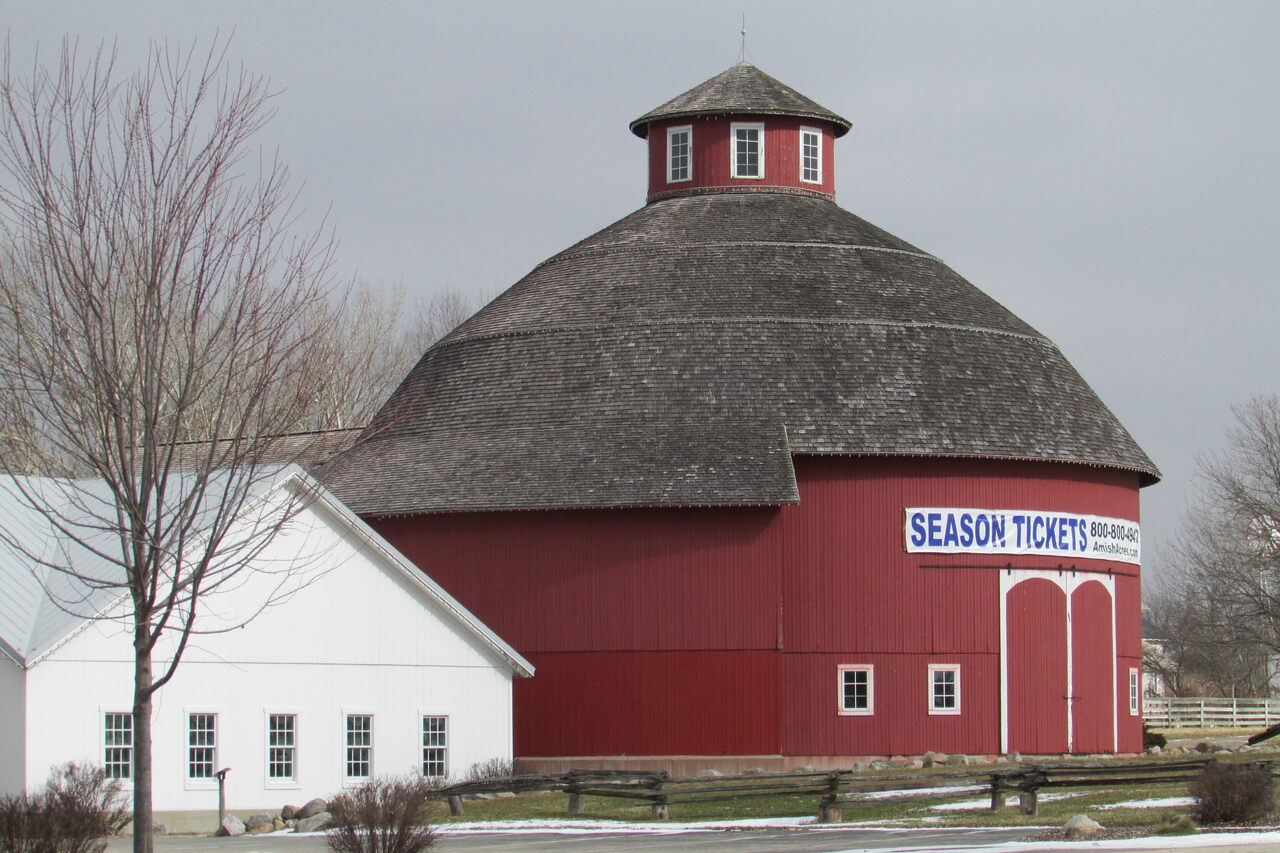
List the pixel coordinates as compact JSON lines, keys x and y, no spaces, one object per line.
{"x":258,"y":823}
{"x":277,"y":823}
{"x":231,"y":826}
{"x":1081,"y":826}
{"x":312,"y":808}
{"x":313,"y":823}
{"x":807,"y":768}
{"x":755,"y":771}
{"x":709,"y":773}
{"x":288,"y":812}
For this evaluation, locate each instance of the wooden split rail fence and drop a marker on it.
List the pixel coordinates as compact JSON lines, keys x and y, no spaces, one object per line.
{"x":834,"y":789}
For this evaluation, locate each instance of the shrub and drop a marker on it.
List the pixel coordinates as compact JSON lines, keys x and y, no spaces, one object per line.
{"x":1152,"y":738}
{"x":494,"y":768}
{"x":1233,"y":793}
{"x":384,"y":815}
{"x":1180,"y":825}
{"x":78,"y":807}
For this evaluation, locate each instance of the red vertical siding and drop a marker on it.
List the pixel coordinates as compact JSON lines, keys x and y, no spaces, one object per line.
{"x":1037,"y":636}
{"x":663,"y":703}
{"x":678,"y":603}
{"x":1091,"y":669}
{"x":712,"y":147}
{"x":901,"y":723}
{"x":1129,"y":725}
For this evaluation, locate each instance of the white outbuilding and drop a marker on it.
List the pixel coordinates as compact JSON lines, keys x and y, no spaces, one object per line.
{"x":366,"y":668}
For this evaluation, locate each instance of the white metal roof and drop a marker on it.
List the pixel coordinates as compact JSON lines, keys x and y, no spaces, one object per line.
{"x":41,"y":606}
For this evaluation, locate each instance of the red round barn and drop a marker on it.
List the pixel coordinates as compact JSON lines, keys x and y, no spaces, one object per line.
{"x":753,"y":482}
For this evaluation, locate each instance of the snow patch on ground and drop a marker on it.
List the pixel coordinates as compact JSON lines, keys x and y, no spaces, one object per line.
{"x":1154,"y":803}
{"x":986,"y":803}
{"x":1246,"y":840}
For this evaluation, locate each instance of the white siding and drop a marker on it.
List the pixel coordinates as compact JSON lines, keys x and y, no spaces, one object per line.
{"x":13,"y":723}
{"x":358,"y":636}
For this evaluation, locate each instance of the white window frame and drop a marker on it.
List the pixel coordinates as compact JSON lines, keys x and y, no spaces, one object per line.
{"x":1135,"y":692}
{"x":107,"y":745}
{"x":845,"y":710}
{"x":280,"y":781}
{"x":347,"y":779}
{"x":934,"y":696}
{"x":424,"y":746}
{"x":688,"y":162}
{"x":734,"y":127}
{"x":200,"y":782}
{"x":817,"y":133}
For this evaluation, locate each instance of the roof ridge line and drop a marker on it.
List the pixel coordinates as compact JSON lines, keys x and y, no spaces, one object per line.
{"x":623,"y":247}
{"x":698,"y":321}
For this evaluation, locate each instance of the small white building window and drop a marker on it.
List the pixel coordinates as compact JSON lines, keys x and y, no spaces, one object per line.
{"x":944,"y":688}
{"x":202,"y":746}
{"x":857,"y":689}
{"x":1135,"y":693}
{"x":679,"y":153}
{"x":117,"y":745}
{"x":747,"y":152}
{"x":282,"y":747}
{"x":435,"y":747}
{"x":810,"y":155}
{"x":359,"y":760}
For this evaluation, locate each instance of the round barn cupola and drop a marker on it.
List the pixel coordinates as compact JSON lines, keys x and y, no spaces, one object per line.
{"x":740,"y":131}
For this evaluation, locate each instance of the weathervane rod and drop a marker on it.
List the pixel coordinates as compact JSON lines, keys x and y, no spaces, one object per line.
{"x":742,"y":52}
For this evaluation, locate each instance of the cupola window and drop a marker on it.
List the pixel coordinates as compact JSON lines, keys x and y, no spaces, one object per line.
{"x":810,"y":155}
{"x":748,"y":150}
{"x":679,"y":145}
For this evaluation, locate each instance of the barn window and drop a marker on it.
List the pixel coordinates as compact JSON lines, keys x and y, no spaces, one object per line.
{"x":810,"y":155}
{"x":117,"y":745}
{"x":202,"y":745}
{"x":1135,"y":693}
{"x":944,"y":688}
{"x":282,"y":746}
{"x":857,"y":690}
{"x":748,"y":150}
{"x":359,"y":763}
{"x":679,"y":148}
{"x":435,"y":747}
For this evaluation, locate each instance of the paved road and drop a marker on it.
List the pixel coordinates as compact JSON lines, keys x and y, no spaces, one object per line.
{"x":735,"y":841}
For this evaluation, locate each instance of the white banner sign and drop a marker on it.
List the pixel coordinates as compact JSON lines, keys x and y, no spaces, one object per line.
{"x":1018,"y":531}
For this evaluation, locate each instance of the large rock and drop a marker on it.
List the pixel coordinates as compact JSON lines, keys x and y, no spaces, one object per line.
{"x":709,"y":773}
{"x":311,"y":809}
{"x":1081,"y":826}
{"x":288,"y":812}
{"x":230,"y":826}
{"x":256,"y":824}
{"x":314,"y":823}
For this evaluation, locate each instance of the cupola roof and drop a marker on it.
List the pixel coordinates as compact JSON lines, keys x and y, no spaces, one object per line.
{"x":737,"y":90}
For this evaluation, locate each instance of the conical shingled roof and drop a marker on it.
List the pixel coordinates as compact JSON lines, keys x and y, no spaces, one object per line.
{"x":741,"y":89}
{"x":683,"y":354}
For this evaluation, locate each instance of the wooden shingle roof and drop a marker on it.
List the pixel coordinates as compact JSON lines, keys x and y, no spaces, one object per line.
{"x":683,"y":354}
{"x":738,"y":90}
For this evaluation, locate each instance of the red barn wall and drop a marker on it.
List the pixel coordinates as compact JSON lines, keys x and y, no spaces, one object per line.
{"x":711,"y":148}
{"x":717,"y":631}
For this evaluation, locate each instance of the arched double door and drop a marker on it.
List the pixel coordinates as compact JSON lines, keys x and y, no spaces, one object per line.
{"x":1058,"y":690}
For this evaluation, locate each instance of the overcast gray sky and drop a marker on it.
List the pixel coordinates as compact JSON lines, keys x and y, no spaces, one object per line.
{"x":1107,"y":170}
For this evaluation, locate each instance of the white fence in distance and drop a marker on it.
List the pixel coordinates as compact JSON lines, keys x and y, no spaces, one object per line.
{"x":1210,"y":713}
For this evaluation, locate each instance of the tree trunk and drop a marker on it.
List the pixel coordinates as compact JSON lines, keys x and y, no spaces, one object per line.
{"x":142,"y":816}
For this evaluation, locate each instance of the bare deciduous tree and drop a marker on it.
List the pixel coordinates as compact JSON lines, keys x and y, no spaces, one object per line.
{"x":377,"y":338}
{"x":153,"y":292}
{"x":1222,"y":604}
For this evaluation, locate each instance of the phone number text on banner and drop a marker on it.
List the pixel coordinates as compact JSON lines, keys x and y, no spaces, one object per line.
{"x":1015,"y":531}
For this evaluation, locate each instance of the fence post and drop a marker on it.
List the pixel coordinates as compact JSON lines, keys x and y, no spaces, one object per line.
{"x":829,"y":810}
{"x":455,"y":805}
{"x":572,"y":788}
{"x":997,"y":792}
{"x":1029,"y":802}
{"x":660,"y":809}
